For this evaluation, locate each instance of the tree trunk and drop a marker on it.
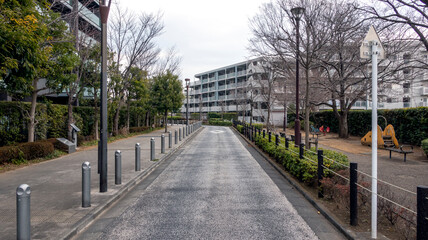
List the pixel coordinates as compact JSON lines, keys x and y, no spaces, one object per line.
{"x":32,"y":118}
{"x":96,"y":115}
{"x":164,"y":121}
{"x":343,"y":125}
{"x":70,"y":116}
{"x":116,"y":121}
{"x":307,"y":109}
{"x":127,"y":116}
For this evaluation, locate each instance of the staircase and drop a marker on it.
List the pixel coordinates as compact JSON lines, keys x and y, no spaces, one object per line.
{"x":388,"y":141}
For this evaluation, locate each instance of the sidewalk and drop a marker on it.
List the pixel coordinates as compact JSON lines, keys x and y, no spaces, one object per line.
{"x":56,"y":186}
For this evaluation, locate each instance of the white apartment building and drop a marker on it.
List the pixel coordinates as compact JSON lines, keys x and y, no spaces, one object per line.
{"x":233,"y":88}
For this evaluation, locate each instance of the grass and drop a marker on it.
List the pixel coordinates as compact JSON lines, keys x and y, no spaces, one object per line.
{"x":118,"y":137}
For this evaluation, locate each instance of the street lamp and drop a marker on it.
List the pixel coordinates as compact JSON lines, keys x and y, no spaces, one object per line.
{"x":187,"y":106}
{"x":297,"y":14}
{"x":102,"y":148}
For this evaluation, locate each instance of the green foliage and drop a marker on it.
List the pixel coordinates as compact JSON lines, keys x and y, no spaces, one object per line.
{"x":258,"y":125}
{"x":240,"y":128}
{"x":305,"y":170}
{"x":302,"y":124}
{"x":424,"y":145}
{"x":166,"y":93}
{"x":410,"y":124}
{"x":26,"y":151}
{"x":219,"y":122}
{"x":226,"y":116}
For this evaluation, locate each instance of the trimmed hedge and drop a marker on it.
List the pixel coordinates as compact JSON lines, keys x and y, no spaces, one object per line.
{"x":26,"y":151}
{"x":219,"y":122}
{"x":302,"y":169}
{"x":410,"y":124}
{"x":424,"y":145}
{"x":138,"y":129}
{"x":227,"y":116}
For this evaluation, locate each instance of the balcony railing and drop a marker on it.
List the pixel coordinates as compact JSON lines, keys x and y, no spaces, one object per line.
{"x":229,"y":86}
{"x":229,"y":75}
{"x":204,"y":80}
{"x":241,"y":73}
{"x":212,"y":78}
{"x":204,"y":89}
{"x":212,"y":89}
{"x":221,"y":87}
{"x":230,"y":97}
{"x":221,"y":97}
{"x":205,"y":99}
{"x":212,"y":98}
{"x":221,"y":77}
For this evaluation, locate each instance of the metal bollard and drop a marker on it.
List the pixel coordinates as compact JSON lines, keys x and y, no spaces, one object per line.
{"x":86,"y":184}
{"x":264,"y":133}
{"x":137,"y":157}
{"x":118,"y":167}
{"x":23,"y":225}
{"x":152,"y":149}
{"x":301,"y":149}
{"x":179,"y":133}
{"x":353,"y":194}
{"x":277,"y":140}
{"x":270,"y":137}
{"x":422,"y":210}
{"x":250,"y":135}
{"x":162,"y":143}
{"x":286,"y":142}
{"x":169,"y":139}
{"x":320,"y":173}
{"x":176,"y":137}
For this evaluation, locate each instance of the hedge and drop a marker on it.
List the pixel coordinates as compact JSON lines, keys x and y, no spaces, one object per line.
{"x":302,"y":169}
{"x":52,"y":120}
{"x":219,"y":122}
{"x":424,"y":145}
{"x":410,"y":124}
{"x":227,"y":116}
{"x":26,"y":151}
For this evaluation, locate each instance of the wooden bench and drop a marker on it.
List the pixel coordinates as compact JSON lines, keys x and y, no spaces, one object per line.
{"x":400,"y":150}
{"x":313,"y":141}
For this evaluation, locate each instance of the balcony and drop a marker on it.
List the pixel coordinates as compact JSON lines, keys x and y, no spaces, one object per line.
{"x":204,"y":90}
{"x":230,"y":75}
{"x":230,"y":97}
{"x":221,"y":87}
{"x":205,"y":99}
{"x":197,"y":91}
{"x":241,"y":73}
{"x":229,"y":86}
{"x":424,"y":91}
{"x":221,"y":97}
{"x":221,"y":77}
{"x":212,"y":98}
{"x":212,"y":78}
{"x":212,"y":89}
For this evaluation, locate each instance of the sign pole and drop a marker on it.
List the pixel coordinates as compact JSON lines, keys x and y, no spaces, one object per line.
{"x":374,"y":54}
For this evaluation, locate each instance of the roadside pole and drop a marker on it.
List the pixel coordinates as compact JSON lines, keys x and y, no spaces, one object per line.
{"x":372,"y":48}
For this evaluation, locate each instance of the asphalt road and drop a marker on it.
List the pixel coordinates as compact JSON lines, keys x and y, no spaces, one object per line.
{"x":213,"y":188}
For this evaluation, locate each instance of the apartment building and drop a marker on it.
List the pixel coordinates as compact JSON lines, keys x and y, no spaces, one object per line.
{"x":234,"y":88}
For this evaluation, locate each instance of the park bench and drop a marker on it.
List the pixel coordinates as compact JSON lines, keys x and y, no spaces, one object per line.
{"x":400,"y":150}
{"x":313,"y":140}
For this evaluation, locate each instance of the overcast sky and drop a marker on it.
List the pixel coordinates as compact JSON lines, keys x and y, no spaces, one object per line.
{"x":207,"y":34}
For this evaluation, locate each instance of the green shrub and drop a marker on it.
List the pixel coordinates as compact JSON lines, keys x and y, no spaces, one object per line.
{"x":303,"y":169}
{"x":424,"y":145}
{"x":258,"y":125}
{"x":302,"y":124}
{"x":240,"y":128}
{"x":26,"y":151}
{"x":219,"y":122}
{"x":138,"y":129}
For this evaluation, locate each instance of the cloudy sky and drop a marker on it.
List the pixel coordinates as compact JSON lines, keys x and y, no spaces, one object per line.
{"x":207,"y":34}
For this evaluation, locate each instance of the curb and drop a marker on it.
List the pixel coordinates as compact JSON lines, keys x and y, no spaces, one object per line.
{"x":93,"y":214}
{"x":349,"y":234}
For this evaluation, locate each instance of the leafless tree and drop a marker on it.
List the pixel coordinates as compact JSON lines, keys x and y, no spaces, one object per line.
{"x":411,"y":13}
{"x":131,"y":38}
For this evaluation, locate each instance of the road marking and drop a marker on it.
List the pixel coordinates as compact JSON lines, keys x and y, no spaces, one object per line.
{"x":217,"y":131}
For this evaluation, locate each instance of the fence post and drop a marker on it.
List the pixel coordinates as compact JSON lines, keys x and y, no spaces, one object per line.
{"x":137,"y":157}
{"x":86,"y":184}
{"x":320,"y":173}
{"x":302,"y":147}
{"x":118,"y":167}
{"x":277,"y":139}
{"x":152,"y":149}
{"x":422,"y":211}
{"x":179,"y":131}
{"x":250,"y":134}
{"x":169,"y":139}
{"x":23,"y":225}
{"x":286,"y":143}
{"x":176,"y":136}
{"x":264,"y":133}
{"x":270,"y":136}
{"x":353,"y":193}
{"x":162,"y":143}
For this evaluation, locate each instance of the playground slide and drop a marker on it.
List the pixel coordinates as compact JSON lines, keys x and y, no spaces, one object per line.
{"x":388,"y":133}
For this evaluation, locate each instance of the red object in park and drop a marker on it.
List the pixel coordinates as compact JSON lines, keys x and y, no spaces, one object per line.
{"x":324,"y":130}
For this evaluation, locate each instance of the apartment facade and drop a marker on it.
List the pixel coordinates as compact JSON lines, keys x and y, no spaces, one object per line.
{"x":234,"y":88}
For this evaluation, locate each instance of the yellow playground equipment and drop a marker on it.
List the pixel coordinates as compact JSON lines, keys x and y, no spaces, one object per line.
{"x":385,"y":138}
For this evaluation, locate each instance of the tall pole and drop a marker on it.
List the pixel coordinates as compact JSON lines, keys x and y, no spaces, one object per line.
{"x":374,"y":53}
{"x":104,"y":10}
{"x":297,"y":12}
{"x":187,"y":106}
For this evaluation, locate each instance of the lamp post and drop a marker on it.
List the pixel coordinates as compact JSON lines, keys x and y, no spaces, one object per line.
{"x":104,"y":10}
{"x":297,"y":14}
{"x":187,"y":106}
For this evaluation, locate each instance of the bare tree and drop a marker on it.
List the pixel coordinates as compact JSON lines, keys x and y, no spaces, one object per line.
{"x":132,"y":40}
{"x":411,"y":13}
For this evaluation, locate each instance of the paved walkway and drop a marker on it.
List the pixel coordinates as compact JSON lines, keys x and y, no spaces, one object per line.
{"x":56,"y":186}
{"x":215,"y":188}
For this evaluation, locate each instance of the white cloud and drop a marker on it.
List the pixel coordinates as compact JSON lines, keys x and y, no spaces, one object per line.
{"x":207,"y":34}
